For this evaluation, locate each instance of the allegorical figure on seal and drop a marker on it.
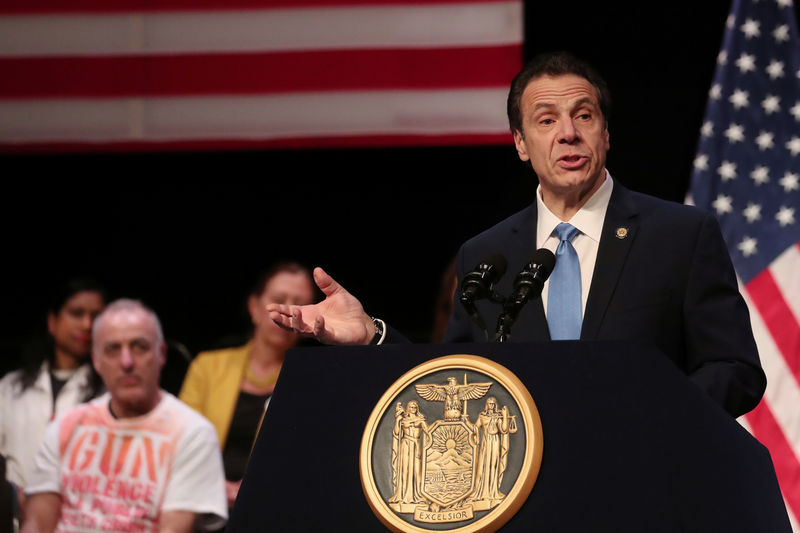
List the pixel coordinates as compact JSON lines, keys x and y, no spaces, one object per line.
{"x":408,"y":435}
{"x":492,"y":429}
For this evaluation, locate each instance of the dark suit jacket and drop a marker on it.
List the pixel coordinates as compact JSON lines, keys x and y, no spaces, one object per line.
{"x":669,"y":281}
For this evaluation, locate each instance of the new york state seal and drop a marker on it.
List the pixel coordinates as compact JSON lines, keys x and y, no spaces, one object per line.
{"x":455,"y":444}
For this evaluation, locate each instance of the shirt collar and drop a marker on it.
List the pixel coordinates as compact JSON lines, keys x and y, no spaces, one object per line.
{"x":589,"y":219}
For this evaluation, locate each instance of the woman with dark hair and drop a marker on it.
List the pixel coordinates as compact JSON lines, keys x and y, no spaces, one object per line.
{"x":54,"y":379}
{"x":231,"y":387}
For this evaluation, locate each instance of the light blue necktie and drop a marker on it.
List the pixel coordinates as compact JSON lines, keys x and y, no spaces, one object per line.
{"x":564,"y":315}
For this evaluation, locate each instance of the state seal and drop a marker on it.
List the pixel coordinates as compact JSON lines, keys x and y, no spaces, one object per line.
{"x":455,"y":444}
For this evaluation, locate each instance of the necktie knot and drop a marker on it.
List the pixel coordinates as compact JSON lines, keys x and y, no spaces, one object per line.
{"x":566,"y":232}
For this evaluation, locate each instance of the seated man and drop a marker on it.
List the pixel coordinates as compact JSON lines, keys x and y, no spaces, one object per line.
{"x":134,"y":459}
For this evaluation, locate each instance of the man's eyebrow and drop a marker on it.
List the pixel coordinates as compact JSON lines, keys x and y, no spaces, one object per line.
{"x":584,"y":101}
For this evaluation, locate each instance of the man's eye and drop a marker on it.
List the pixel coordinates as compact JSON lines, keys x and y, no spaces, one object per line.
{"x":546,"y":121}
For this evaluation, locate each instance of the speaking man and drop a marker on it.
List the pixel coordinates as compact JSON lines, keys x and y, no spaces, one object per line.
{"x":134,"y":459}
{"x":628,"y":266}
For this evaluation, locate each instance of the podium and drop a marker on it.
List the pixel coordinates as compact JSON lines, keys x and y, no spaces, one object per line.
{"x":630,"y":444}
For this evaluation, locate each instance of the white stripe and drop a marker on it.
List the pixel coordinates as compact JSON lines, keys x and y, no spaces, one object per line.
{"x":478,"y":111}
{"x":448,"y":25}
{"x":782,"y":394}
{"x":784,"y":271}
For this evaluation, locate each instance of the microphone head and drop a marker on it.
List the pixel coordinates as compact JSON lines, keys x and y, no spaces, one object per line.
{"x":499,"y":263}
{"x":546,"y":261}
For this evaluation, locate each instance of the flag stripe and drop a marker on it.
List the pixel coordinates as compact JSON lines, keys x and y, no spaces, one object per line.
{"x":783,"y":392}
{"x":298,"y":115}
{"x":256,"y":73}
{"x":787,"y":469}
{"x":103,"y":6}
{"x":340,"y":141}
{"x":785,"y":271}
{"x":770,"y":303}
{"x":449,"y":25}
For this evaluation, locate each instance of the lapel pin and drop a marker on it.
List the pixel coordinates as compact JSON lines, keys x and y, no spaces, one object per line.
{"x":622,"y":233}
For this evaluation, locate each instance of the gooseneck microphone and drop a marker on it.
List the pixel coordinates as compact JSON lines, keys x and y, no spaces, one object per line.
{"x":528,"y":286}
{"x":479,"y":284}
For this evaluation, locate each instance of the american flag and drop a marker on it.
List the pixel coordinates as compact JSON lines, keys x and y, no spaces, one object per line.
{"x":144,"y":74}
{"x":747,"y":170}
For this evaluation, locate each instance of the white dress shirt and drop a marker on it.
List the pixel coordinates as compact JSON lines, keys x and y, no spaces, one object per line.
{"x":589,"y":221}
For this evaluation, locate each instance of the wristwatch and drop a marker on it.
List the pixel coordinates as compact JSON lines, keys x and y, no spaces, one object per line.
{"x":380,"y":328}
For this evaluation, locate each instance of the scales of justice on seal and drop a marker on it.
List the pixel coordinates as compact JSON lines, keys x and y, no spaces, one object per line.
{"x":454,"y":444}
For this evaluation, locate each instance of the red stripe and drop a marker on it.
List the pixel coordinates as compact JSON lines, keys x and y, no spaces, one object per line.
{"x":778,"y":318}
{"x":355,"y":141}
{"x":168,"y":75}
{"x":766,"y":429}
{"x":122,"y":6}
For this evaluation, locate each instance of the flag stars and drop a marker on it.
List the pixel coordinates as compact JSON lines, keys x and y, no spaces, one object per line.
{"x":727,"y":170}
{"x":781,"y":33}
{"x":771,"y":104}
{"x":746,"y":63}
{"x":775,"y":69}
{"x":784,"y":3}
{"x":795,"y":110}
{"x":735,"y":133}
{"x":790,"y":182}
{"x":794,"y":145}
{"x":739,"y":98}
{"x":707,"y":130}
{"x":715,"y":93}
{"x":722,"y":58}
{"x":785,"y":216}
{"x":730,"y":22}
{"x":747,"y":246}
{"x":765,"y":140}
{"x":723,"y":204}
{"x":760,"y":175}
{"x":752,"y":212}
{"x":750,"y":28}
{"x":701,"y":162}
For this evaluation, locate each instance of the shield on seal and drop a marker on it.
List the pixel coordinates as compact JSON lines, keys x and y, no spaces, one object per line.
{"x":449,"y":464}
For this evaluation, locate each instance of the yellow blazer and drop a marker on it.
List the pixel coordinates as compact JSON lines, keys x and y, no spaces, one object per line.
{"x":212,"y":383}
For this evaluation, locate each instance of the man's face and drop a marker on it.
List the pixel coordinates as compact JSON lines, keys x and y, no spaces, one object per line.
{"x":564,"y":134}
{"x":128,"y":355}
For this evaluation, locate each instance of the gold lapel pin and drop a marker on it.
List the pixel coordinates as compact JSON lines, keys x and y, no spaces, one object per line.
{"x":622,"y":233}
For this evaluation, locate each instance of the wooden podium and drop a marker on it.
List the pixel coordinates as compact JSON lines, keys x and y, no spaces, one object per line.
{"x":630,"y":444}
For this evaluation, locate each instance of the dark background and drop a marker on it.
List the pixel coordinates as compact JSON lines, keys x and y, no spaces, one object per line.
{"x":187,"y":232}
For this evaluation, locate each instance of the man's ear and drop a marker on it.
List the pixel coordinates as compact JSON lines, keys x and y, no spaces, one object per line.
{"x":519,"y":142}
{"x":254,"y":308}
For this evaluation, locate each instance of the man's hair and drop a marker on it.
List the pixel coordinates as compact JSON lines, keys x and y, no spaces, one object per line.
{"x":128,"y":305}
{"x":554,"y":64}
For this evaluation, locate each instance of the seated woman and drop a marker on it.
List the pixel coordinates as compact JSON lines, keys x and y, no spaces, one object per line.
{"x":54,"y":379}
{"x":232,"y":387}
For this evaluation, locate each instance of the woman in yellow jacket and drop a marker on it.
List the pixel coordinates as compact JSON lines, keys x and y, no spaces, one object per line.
{"x":232,"y":387}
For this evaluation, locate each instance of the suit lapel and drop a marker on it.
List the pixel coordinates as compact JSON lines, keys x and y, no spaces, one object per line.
{"x":619,"y":232}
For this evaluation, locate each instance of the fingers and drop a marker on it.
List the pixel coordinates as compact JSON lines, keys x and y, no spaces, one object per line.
{"x":325,"y":282}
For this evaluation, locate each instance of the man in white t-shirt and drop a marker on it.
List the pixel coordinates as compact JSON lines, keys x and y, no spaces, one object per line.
{"x":135,"y":459}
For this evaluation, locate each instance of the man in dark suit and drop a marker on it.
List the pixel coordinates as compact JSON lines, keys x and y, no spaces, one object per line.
{"x":629,"y":266}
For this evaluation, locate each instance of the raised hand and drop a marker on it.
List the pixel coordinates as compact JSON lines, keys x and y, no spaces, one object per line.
{"x":338,"y":319}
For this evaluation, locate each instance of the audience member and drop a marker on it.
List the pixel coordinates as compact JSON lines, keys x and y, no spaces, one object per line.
{"x":231,"y":387}
{"x":444,"y":302}
{"x":134,"y":459}
{"x":56,"y":377}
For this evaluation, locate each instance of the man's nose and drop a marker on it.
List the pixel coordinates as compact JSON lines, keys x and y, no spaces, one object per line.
{"x":567,"y":133}
{"x":126,"y":359}
{"x":86,"y":321}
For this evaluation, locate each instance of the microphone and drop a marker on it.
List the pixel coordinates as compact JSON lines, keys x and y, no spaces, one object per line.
{"x":528,"y":285}
{"x":530,"y":281}
{"x":478,"y":283}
